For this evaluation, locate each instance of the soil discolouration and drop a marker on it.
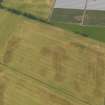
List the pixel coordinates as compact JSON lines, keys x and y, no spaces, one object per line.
{"x":57,"y":57}
{"x":12,"y":45}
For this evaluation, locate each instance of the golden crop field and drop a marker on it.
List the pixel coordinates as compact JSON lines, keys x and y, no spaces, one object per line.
{"x":44,"y":65}
{"x":38,"y":8}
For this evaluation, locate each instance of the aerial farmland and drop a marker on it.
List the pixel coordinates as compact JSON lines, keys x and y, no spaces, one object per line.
{"x":46,"y":63}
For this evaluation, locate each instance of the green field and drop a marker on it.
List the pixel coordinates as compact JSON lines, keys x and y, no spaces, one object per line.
{"x":74,"y":16}
{"x":63,"y":18}
{"x":45,"y":65}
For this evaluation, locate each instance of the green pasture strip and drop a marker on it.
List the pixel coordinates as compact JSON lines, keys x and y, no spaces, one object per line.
{"x":93,"y":17}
